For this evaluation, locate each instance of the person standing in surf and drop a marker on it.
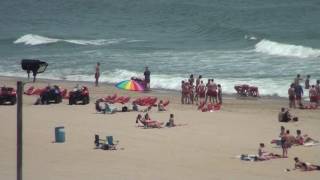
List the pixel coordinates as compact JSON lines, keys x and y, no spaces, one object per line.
{"x":147,"y":78}
{"x":97,"y":74}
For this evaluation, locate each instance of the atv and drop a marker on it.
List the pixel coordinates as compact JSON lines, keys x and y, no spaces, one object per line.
{"x":79,"y":94}
{"x":8,"y":94}
{"x":51,"y":94}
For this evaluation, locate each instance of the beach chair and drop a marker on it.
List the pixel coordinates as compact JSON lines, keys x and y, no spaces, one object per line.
{"x":98,"y":142}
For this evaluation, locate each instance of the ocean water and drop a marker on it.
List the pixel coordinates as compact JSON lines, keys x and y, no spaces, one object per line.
{"x":261,"y":43}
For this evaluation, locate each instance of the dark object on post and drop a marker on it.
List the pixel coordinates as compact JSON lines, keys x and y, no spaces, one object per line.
{"x":36,"y":66}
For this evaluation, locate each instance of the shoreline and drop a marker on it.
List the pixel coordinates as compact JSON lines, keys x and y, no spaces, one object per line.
{"x":156,"y":90}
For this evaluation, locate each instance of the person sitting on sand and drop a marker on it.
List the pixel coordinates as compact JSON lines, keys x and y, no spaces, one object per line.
{"x":147,"y":122}
{"x":171,"y":123}
{"x":284,"y":115}
{"x":302,"y":139}
{"x":304,"y":166}
{"x":263,"y":155}
{"x":161,"y":106}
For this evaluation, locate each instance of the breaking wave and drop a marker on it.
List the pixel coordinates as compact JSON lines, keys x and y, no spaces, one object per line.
{"x":33,"y":39}
{"x":281,"y":49}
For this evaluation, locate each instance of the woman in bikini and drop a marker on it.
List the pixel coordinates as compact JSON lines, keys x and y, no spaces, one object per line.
{"x":303,"y":166}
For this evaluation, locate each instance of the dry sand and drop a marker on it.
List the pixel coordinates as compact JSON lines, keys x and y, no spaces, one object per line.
{"x":203,"y":149}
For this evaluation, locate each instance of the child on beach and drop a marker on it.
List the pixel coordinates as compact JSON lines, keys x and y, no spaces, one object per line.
{"x":161,"y":106}
{"x":171,"y":123}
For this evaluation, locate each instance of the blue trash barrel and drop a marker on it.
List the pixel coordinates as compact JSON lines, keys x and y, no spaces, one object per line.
{"x":59,"y":134}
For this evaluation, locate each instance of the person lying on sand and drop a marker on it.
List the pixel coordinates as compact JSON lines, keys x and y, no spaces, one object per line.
{"x":263,"y":155}
{"x":304,"y":166}
{"x":147,"y":122}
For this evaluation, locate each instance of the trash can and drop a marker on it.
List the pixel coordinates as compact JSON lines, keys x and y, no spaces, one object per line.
{"x":59,"y":134}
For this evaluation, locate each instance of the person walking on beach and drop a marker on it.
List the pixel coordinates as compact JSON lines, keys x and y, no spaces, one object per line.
{"x":147,"y":78}
{"x":97,"y":74}
{"x":291,"y":93}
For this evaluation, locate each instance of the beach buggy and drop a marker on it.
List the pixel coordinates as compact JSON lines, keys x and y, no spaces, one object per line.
{"x":8,"y":94}
{"x":79,"y":94}
{"x":51,"y":94}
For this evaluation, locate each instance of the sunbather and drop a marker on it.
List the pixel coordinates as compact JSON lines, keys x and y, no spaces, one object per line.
{"x":263,"y":155}
{"x":147,"y":122}
{"x":303,"y":166}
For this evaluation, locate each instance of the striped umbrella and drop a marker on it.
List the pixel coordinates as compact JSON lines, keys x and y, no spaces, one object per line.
{"x":130,"y":85}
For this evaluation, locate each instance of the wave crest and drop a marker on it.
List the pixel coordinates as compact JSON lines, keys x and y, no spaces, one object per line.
{"x":33,"y":39}
{"x":281,"y":49}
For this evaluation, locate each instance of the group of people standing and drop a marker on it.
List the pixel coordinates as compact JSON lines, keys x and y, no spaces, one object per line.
{"x":295,"y":92}
{"x":196,"y":91}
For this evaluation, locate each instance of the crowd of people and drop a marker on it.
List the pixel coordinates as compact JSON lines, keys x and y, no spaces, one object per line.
{"x":295,"y":92}
{"x":195,"y":91}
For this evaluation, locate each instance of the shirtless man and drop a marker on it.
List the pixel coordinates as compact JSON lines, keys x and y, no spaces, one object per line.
{"x":97,"y":74}
{"x":214,"y":91}
{"x":313,"y":95}
{"x":196,"y":97}
{"x":291,"y":93}
{"x":209,"y":91}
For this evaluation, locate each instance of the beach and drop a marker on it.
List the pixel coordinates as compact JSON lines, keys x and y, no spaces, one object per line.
{"x":205,"y":148}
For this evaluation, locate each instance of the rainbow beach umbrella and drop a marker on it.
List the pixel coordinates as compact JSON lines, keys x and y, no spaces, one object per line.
{"x":130,"y":85}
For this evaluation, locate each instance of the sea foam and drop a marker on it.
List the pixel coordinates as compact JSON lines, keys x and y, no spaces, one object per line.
{"x":281,"y":49}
